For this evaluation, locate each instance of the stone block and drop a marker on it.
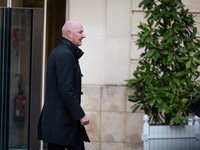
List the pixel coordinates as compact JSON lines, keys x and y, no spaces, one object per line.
{"x":135,"y":52}
{"x":112,"y":146}
{"x":197,"y":24}
{"x":134,"y":127}
{"x":116,"y":60}
{"x":94,"y":128}
{"x":137,"y":17}
{"x":192,"y":5}
{"x":118,"y":17}
{"x":91,"y":98}
{"x":92,"y":146}
{"x":128,"y":103}
{"x":92,"y":62}
{"x":114,"y":98}
{"x":135,"y":4}
{"x":91,"y":13}
{"x":113,"y":127}
{"x":133,"y":66}
{"x":129,"y":146}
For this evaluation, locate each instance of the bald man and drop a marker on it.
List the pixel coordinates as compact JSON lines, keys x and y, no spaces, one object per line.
{"x":62,"y":120}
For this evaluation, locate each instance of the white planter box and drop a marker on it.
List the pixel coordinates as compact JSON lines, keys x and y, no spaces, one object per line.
{"x":171,"y":137}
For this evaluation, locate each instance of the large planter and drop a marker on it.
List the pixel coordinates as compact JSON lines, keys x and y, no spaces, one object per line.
{"x":163,"y":137}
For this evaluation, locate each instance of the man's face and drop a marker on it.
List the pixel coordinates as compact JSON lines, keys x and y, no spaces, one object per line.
{"x":77,"y":35}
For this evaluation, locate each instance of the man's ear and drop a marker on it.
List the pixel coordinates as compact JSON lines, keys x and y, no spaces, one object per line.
{"x":68,"y":34}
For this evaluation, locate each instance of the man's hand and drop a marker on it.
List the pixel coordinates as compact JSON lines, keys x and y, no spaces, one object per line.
{"x":84,"y":121}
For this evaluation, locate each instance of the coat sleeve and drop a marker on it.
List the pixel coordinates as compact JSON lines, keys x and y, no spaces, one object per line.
{"x":65,"y":70}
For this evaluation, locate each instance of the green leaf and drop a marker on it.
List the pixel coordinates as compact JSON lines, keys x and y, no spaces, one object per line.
{"x":147,"y":68}
{"x":194,"y":32}
{"x":147,"y":14}
{"x":181,"y":122}
{"x":159,"y":100}
{"x":193,"y":62}
{"x":134,"y":105}
{"x":164,"y":62}
{"x":170,"y":57}
{"x":185,"y":58}
{"x":197,"y":44}
{"x":154,"y":17}
{"x":146,"y":33}
{"x":150,"y":53}
{"x":142,"y":3}
{"x":156,"y":56}
{"x":178,"y":58}
{"x":132,"y":98}
{"x":172,"y":121}
{"x":184,"y":108}
{"x":181,"y":73}
{"x":144,"y":25}
{"x":188,"y":64}
{"x":149,"y":45}
{"x":180,"y":6}
{"x":164,"y":52}
{"x":197,"y":61}
{"x":131,"y":81}
{"x":190,"y":46}
{"x":183,"y":93}
{"x":143,"y":106}
{"x":183,"y":118}
{"x":135,"y":109}
{"x":166,"y":36}
{"x":192,"y":54}
{"x":167,"y":109}
{"x":177,"y":81}
{"x":141,"y":63}
{"x":148,"y":82}
{"x":183,"y":82}
{"x":152,"y":102}
{"x":182,"y":50}
{"x":175,"y":120}
{"x":149,"y":95}
{"x":187,"y":39}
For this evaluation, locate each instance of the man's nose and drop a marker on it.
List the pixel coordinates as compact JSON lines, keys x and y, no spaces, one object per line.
{"x":83,"y":35}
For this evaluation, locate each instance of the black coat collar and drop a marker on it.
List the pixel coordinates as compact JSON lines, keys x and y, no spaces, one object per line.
{"x":77,"y":51}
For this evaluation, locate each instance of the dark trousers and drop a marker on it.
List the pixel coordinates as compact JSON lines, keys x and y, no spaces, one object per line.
{"x":79,"y":144}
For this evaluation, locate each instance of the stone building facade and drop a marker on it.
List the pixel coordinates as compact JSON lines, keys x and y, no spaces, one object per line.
{"x":110,"y":58}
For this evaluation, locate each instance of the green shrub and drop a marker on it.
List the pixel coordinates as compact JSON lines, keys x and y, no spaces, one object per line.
{"x":166,"y":79}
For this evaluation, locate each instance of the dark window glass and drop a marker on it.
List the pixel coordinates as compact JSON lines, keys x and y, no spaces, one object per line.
{"x":19,"y":78}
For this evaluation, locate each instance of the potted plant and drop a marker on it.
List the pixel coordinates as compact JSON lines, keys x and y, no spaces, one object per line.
{"x":166,"y":79}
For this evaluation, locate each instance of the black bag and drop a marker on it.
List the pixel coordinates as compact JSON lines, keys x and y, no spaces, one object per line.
{"x":195,"y":106}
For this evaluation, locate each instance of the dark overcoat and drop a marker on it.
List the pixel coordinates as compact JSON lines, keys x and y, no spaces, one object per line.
{"x":62,"y":112}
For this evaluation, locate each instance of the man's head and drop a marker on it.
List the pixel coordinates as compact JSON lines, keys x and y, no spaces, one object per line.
{"x":73,"y":31}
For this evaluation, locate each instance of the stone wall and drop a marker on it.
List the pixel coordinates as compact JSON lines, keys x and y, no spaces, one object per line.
{"x":110,"y":58}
